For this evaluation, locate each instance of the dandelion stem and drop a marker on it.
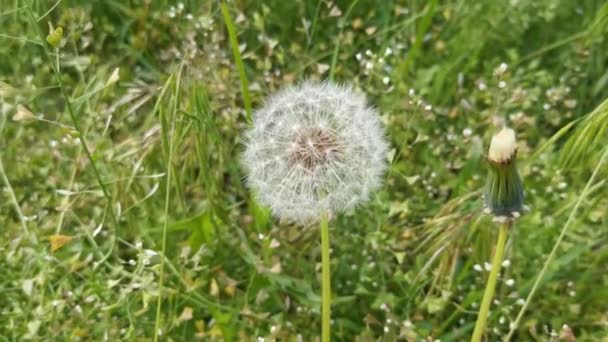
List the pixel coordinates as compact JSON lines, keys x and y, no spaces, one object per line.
{"x":491,"y":284}
{"x":326,"y":281}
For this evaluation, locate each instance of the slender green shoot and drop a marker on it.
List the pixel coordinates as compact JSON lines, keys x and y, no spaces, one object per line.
{"x":15,"y":202}
{"x":73,"y":117}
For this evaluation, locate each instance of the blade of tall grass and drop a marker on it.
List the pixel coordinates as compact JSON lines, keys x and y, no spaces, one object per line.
{"x":421,"y":31}
{"x":587,"y":136}
{"x":553,"y":252}
{"x":238,"y":60}
{"x":334,"y":57}
{"x":169,"y":173}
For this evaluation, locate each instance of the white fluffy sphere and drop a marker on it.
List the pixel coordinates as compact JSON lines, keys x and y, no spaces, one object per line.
{"x":314,"y":148}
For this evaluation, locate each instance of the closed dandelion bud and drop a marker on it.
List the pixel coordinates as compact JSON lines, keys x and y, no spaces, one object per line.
{"x":314,"y":149}
{"x":504,"y":194}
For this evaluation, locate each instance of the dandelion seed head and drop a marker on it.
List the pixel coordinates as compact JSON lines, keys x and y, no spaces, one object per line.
{"x":314,"y":148}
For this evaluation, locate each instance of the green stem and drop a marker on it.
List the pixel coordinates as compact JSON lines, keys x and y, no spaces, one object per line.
{"x":326,"y":309}
{"x":480,"y":325}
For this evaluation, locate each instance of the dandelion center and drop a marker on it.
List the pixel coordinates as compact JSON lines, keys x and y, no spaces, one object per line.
{"x":313,"y":147}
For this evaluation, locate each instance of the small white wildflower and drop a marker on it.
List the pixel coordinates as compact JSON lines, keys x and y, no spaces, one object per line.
{"x":506,"y":263}
{"x":477,"y":268}
{"x":467,"y":132}
{"x":487,"y":266}
{"x":314,"y":148}
{"x":510,"y":282}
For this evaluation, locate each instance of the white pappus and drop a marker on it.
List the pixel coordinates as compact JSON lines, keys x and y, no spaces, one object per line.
{"x":314,"y":148}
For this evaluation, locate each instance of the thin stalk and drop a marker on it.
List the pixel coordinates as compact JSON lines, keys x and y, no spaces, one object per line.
{"x":556,"y":246}
{"x":73,"y":117}
{"x":326,"y":280}
{"x":22,"y":220}
{"x":480,"y":325}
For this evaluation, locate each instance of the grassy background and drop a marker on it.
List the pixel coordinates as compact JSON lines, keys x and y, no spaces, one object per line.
{"x":150,"y":163}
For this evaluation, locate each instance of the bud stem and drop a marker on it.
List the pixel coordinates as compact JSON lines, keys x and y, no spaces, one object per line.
{"x":491,"y":284}
{"x":326,"y":307}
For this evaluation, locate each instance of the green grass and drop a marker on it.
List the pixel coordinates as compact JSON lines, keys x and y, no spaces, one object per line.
{"x":144,"y":174}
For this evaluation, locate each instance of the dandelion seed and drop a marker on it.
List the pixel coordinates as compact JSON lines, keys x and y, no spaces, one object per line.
{"x":330,"y":159}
